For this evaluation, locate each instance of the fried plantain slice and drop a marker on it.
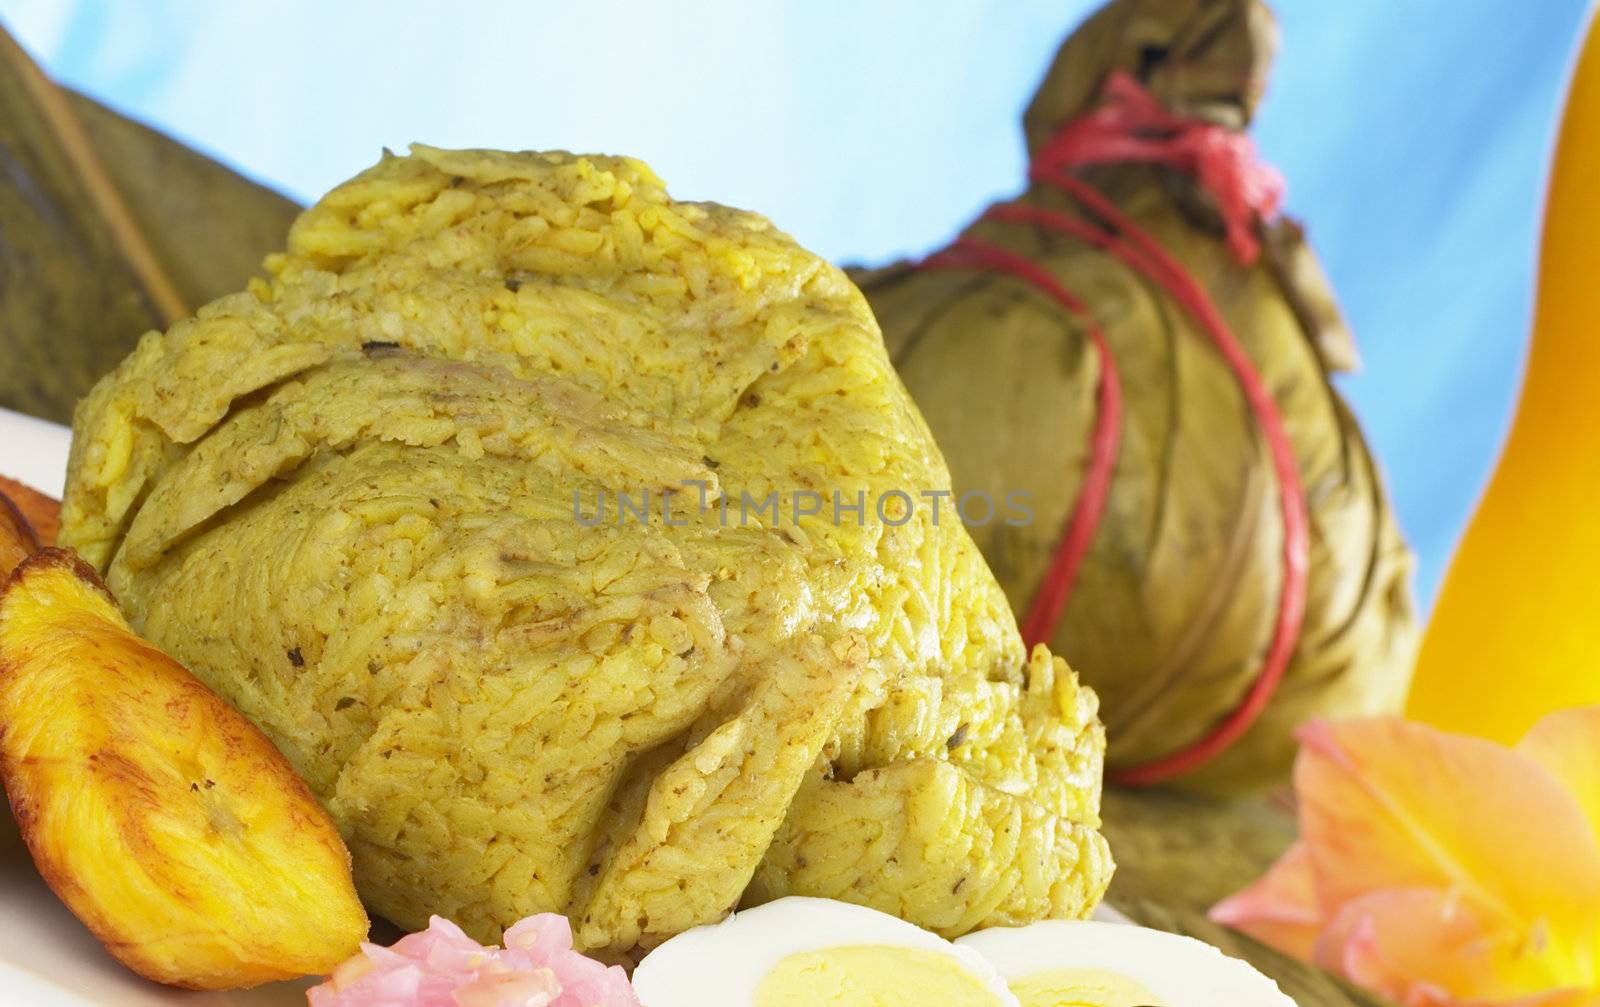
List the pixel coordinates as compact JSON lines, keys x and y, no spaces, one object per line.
{"x":42,"y":512}
{"x":163,"y":819}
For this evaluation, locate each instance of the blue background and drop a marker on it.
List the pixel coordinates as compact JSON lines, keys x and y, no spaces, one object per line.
{"x":1415,"y":135}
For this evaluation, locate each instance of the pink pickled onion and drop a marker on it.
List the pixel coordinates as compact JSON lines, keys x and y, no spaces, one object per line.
{"x":443,"y":967}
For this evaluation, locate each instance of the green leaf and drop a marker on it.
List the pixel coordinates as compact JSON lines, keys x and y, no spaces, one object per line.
{"x":1177,"y":855}
{"x":108,"y":229}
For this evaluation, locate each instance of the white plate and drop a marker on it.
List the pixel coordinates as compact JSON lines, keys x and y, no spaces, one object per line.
{"x":47,"y":958}
{"x":34,"y":451}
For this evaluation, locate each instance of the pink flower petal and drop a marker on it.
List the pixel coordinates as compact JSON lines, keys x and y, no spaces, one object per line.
{"x":1280,"y":910}
{"x":1387,"y":804}
{"x":1440,"y":870}
{"x":1426,"y":948}
{"x":1567,"y":743}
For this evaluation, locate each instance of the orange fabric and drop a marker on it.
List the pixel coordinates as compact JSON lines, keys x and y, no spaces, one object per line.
{"x":1515,"y":635}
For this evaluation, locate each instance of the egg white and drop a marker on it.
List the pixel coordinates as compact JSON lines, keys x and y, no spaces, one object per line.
{"x":1179,"y":970}
{"x":722,"y":965}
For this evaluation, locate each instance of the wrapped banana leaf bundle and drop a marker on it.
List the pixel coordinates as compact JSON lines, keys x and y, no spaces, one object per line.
{"x":1135,"y":353}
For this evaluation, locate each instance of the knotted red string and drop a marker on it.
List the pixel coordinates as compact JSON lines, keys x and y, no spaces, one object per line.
{"x":1132,"y":126}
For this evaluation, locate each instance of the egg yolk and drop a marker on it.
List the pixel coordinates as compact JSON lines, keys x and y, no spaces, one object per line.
{"x":1082,"y":988}
{"x":870,"y":975}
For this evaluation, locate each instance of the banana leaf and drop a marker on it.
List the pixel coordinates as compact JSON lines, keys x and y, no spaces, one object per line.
{"x":108,"y":229}
{"x":1179,"y":854}
{"x":1173,"y":608}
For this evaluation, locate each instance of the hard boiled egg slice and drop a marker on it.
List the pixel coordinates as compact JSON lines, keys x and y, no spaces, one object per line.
{"x":1062,"y":963}
{"x":801,"y":952}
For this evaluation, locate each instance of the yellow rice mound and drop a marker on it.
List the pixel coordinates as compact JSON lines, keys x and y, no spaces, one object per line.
{"x":373,"y":502}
